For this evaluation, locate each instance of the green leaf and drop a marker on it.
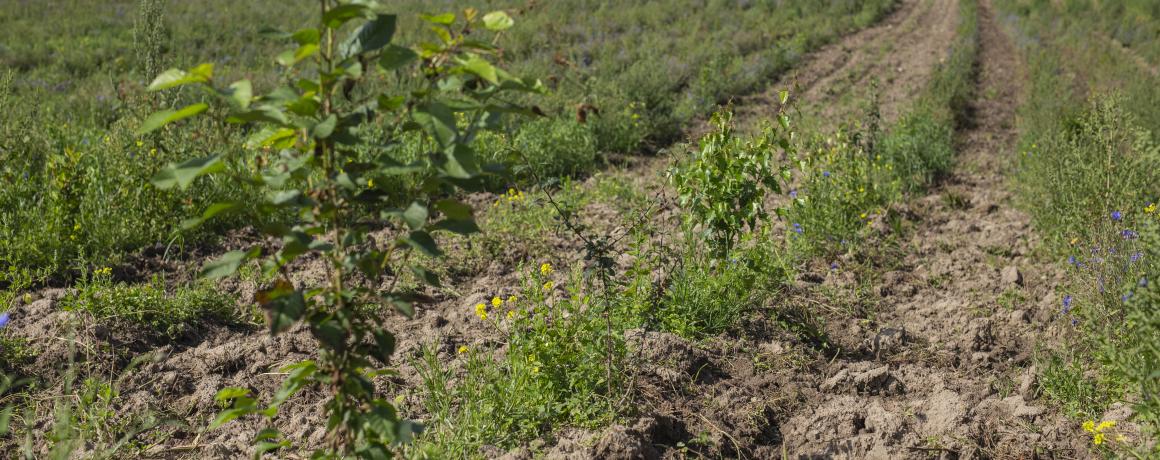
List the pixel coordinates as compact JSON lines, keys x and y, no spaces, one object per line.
{"x":423,"y":242}
{"x":437,"y":120}
{"x":373,"y":35}
{"x":182,"y":174}
{"x":227,"y":264}
{"x":230,"y":393}
{"x":415,"y":215}
{"x":460,"y":226}
{"x":284,"y":305}
{"x":339,"y":15}
{"x":426,"y":276}
{"x":385,"y":345}
{"x":213,"y":210}
{"x":445,"y":19}
{"x":324,"y":128}
{"x":453,"y":209}
{"x":783,"y":96}
{"x":497,"y":21}
{"x":461,"y":162}
{"x":229,"y":415}
{"x":391,"y":103}
{"x":240,"y":93}
{"x":177,"y":77}
{"x":292,"y":57}
{"x":330,"y":333}
{"x":309,"y":36}
{"x":164,"y":117}
{"x":265,"y":113}
{"x":394,"y":57}
{"x":481,"y":68}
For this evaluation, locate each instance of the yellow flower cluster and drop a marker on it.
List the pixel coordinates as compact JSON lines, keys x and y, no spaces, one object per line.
{"x":515,"y":196}
{"x":546,"y":269}
{"x":1099,"y":431}
{"x":1151,"y":208}
{"x":103,"y":271}
{"x":481,"y":309}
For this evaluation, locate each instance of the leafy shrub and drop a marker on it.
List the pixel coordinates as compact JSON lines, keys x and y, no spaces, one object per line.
{"x":722,"y":187}
{"x":841,"y":187}
{"x":561,"y":363}
{"x":1093,"y":163}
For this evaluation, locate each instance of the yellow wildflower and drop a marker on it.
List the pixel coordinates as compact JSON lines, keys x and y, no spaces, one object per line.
{"x":495,"y":302}
{"x":546,"y":269}
{"x":511,"y":299}
{"x":548,"y":286}
{"x":140,"y":144}
{"x":370,"y":183}
{"x":1151,"y":208}
{"x":1105,"y":425}
{"x":511,"y":314}
{"x":1098,"y":439}
{"x":481,"y":310}
{"x":152,"y":152}
{"x":1089,"y":426}
{"x":463,"y":349}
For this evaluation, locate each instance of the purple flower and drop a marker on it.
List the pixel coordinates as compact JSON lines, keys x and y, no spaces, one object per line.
{"x":1071,"y":260}
{"x":1136,"y":256}
{"x":1124,"y":298}
{"x":833,"y":265}
{"x":1129,"y":234}
{"x":793,"y":193}
{"x":825,"y":173}
{"x":1116,"y":216}
{"x":1066,"y":304}
{"x":797,"y":227}
{"x":4,"y":319}
{"x":1074,"y":322}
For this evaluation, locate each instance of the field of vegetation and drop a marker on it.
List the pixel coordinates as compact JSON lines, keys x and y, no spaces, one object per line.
{"x":574,"y":229}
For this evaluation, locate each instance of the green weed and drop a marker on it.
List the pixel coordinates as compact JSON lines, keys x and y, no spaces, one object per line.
{"x":172,"y":314}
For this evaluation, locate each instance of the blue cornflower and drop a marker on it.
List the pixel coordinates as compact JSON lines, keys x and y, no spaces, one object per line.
{"x":1116,"y":216}
{"x":1136,"y":256}
{"x":1071,"y":260}
{"x":793,"y":193}
{"x":825,"y":173}
{"x":1129,"y":234}
{"x":833,"y":265}
{"x":797,"y":227}
{"x":4,"y":319}
{"x":1066,"y":304}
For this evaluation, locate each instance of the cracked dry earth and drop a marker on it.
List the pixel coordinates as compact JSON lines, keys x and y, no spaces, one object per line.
{"x":933,"y":365}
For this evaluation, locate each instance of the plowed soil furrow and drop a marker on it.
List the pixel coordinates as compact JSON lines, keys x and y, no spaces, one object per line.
{"x":943,"y":372}
{"x":901,"y":52}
